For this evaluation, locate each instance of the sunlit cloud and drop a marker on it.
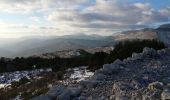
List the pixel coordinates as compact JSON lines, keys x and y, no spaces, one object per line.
{"x":61,"y":17}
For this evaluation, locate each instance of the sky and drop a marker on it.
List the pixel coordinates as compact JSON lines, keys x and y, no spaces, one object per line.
{"x":64,"y":17}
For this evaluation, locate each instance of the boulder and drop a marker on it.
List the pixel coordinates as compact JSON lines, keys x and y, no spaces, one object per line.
{"x":155,"y":85}
{"x":165,"y":94}
{"x":66,"y":95}
{"x":89,"y":83}
{"x":118,"y":62}
{"x":137,"y":56}
{"x":112,"y":68}
{"x":122,"y":98}
{"x":75,"y":91}
{"x":149,"y":51}
{"x":41,"y":97}
{"x":112,"y":97}
{"x":98,"y":77}
{"x":122,"y":88}
{"x":55,"y":91}
{"x":152,"y":95}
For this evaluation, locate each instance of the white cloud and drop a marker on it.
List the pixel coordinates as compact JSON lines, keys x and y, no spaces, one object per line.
{"x":108,"y":15}
{"x":78,"y":16}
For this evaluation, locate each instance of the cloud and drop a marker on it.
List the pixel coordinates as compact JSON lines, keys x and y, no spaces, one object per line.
{"x":110,"y":14}
{"x":93,"y":16}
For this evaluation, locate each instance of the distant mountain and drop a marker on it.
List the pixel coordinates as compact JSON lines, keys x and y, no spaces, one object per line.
{"x":28,"y":46}
{"x":5,"y":53}
{"x":136,"y":34}
{"x":32,"y":46}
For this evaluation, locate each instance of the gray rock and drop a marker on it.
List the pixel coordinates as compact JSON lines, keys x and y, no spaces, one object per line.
{"x":155,"y":85}
{"x":66,"y":95}
{"x":89,"y":83}
{"x":99,"y":77}
{"x":112,"y":97}
{"x":119,"y":87}
{"x":75,"y":91}
{"x":149,"y":51}
{"x":152,"y":95}
{"x":55,"y":91}
{"x":118,"y":62}
{"x":122,"y":98}
{"x":82,"y":98}
{"x":137,"y":56}
{"x":165,"y":94}
{"x":41,"y":97}
{"x":112,"y":68}
{"x":69,"y":93}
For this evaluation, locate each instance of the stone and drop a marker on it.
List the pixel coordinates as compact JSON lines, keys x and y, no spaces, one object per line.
{"x":82,"y":98}
{"x":89,"y":83}
{"x":112,"y":97}
{"x":152,"y":95}
{"x":55,"y":91}
{"x":112,"y":68}
{"x":75,"y":91}
{"x":165,"y":94}
{"x":137,"y":56}
{"x":69,"y":93}
{"x":118,"y":62}
{"x":155,"y":85}
{"x":66,"y":95}
{"x":119,"y":87}
{"x":99,"y":77}
{"x":41,"y":97}
{"x":121,"y":98}
{"x":149,"y":51}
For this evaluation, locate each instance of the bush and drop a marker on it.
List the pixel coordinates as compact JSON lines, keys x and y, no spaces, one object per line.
{"x":15,"y":84}
{"x":125,"y":49}
{"x":97,"y":60}
{"x":60,"y":75}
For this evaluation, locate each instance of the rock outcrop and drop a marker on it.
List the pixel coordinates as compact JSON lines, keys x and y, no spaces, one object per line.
{"x":144,"y":76}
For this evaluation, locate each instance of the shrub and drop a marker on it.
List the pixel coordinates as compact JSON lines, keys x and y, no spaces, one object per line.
{"x":97,"y":60}
{"x":125,"y":49}
{"x":60,"y":75}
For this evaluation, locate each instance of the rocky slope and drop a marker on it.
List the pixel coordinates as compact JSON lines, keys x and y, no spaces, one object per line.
{"x":144,"y":76}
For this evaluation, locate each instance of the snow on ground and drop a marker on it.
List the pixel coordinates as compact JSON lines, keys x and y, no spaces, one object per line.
{"x":7,"y":78}
{"x":78,"y":74}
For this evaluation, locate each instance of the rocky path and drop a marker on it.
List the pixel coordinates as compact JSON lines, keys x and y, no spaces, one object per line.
{"x":144,"y":76}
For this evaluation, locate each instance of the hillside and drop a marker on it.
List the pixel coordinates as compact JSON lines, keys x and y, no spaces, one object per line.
{"x":136,"y":34}
{"x":144,"y":76}
{"x":38,"y":45}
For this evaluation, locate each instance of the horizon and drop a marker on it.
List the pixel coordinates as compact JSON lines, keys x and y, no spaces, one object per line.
{"x":21,"y":18}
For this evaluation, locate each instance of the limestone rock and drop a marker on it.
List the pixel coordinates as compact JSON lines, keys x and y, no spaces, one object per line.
{"x":89,"y":83}
{"x":155,"y":85}
{"x":55,"y":91}
{"x":165,"y":94}
{"x":41,"y":97}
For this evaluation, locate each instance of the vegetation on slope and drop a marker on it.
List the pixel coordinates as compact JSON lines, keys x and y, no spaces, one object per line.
{"x":121,"y":51}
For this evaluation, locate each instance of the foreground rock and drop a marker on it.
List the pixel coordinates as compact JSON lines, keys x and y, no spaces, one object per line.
{"x":144,"y":76}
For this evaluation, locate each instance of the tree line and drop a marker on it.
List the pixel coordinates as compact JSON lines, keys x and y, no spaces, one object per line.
{"x":95,"y":61}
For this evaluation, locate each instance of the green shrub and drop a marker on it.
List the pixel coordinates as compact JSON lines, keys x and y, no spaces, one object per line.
{"x":60,"y":75}
{"x":97,"y":60}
